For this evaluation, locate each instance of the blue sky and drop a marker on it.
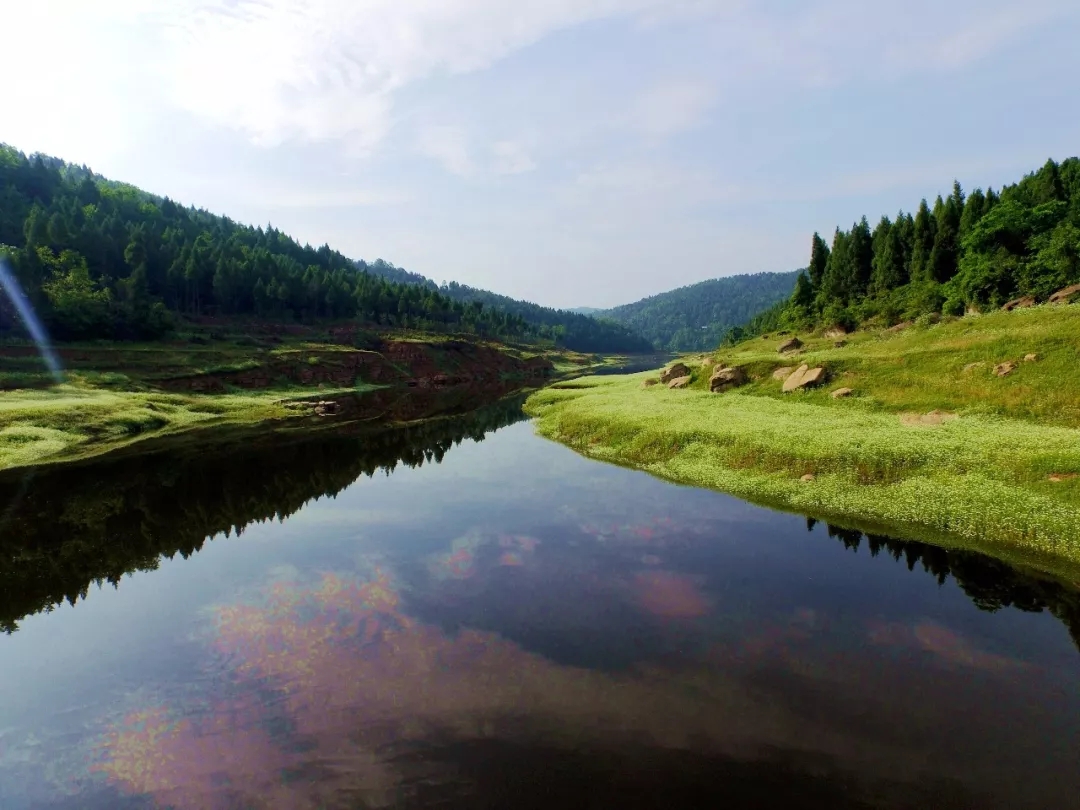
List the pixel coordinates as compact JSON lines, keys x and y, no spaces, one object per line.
{"x":572,"y":152}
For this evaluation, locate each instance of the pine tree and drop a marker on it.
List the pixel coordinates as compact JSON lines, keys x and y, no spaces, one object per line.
{"x":922,"y":242}
{"x":836,"y":281}
{"x":819,"y":260}
{"x":1046,"y":185}
{"x":804,"y":292}
{"x":974,"y":208}
{"x":945,"y":253}
{"x":861,"y":258}
{"x":889,"y":265}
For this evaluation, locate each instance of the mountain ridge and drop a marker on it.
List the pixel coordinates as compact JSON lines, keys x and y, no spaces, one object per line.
{"x":698,"y":316}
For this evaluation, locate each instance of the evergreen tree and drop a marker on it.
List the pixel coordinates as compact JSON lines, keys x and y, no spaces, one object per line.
{"x":890,"y":269}
{"x":836,"y":282}
{"x":922,"y":242}
{"x":819,"y":260}
{"x":944,"y":255}
{"x":861,"y":258}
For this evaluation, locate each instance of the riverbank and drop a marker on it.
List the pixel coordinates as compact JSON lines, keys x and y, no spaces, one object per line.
{"x":930,"y":443}
{"x":114,"y":394}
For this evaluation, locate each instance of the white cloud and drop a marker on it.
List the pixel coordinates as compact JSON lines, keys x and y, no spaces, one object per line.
{"x":328,"y":69}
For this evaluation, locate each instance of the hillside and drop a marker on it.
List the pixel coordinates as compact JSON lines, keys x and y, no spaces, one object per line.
{"x":962,"y":433}
{"x":101,"y":259}
{"x":976,"y":251}
{"x":698,"y":317}
{"x":581,"y":332}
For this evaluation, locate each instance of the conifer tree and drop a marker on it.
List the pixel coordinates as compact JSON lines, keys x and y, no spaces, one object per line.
{"x":861,"y":258}
{"x":922,"y":242}
{"x":944,"y":255}
{"x":819,"y":260}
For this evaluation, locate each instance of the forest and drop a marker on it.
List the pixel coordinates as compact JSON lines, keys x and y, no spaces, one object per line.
{"x":697,"y":317}
{"x":966,"y":252}
{"x":102,"y":259}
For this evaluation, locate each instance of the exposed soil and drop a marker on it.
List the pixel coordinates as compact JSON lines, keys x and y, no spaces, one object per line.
{"x":422,"y":365}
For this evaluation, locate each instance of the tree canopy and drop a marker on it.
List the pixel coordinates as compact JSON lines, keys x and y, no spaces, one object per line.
{"x":966,"y":251}
{"x":101,"y":259}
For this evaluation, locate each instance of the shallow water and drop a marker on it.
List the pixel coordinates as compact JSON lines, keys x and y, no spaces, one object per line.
{"x":512,"y":626}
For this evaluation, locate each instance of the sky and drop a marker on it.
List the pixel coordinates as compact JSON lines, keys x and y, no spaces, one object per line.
{"x":570,"y":152}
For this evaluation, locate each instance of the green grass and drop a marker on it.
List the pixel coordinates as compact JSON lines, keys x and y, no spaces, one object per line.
{"x":69,"y":422}
{"x":981,"y":480}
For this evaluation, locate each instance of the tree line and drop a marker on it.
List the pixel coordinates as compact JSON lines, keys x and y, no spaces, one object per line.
{"x":696,"y":317}
{"x":101,"y":259}
{"x":966,"y":251}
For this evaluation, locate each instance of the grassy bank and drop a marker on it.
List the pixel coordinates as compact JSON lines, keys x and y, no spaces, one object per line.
{"x":116,"y":394}
{"x":1000,"y":476}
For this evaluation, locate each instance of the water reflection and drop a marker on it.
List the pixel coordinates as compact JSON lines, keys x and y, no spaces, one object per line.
{"x":66,"y":528}
{"x":991,"y":584}
{"x":340,"y":699}
{"x":506,"y":624}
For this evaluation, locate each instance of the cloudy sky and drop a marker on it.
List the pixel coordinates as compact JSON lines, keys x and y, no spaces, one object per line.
{"x":573,"y":152}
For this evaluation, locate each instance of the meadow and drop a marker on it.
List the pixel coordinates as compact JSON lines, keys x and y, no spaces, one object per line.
{"x":996,"y":466}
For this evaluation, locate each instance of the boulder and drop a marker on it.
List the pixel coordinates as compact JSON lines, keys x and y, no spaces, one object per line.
{"x":674,"y":372}
{"x":679,"y":382}
{"x":1031,"y":358}
{"x":649,"y":383}
{"x":840,"y":344}
{"x":1065,"y":295}
{"x":1004,"y":369}
{"x":783,"y":373}
{"x":840,"y":393}
{"x":835,"y":332}
{"x":806,"y":479}
{"x":804,"y":377}
{"x":1019,"y":303}
{"x":900,"y":327}
{"x":724,"y":379}
{"x":789,"y":345}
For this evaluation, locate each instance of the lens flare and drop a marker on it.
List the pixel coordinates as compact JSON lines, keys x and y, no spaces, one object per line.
{"x":30,"y":320}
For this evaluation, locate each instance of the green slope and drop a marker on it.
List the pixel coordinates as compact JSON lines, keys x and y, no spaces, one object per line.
{"x":697,"y":317}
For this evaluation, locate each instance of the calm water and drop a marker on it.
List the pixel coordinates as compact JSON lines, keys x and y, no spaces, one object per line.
{"x":414,"y":618}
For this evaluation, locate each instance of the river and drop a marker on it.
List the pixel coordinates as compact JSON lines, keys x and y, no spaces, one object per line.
{"x":461,"y":614}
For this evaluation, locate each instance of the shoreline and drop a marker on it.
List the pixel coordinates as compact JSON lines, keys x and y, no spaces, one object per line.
{"x":983,"y":478}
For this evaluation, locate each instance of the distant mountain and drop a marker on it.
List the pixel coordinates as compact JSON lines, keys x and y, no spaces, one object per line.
{"x":573,"y":330}
{"x":697,"y":317}
{"x":585,"y":310}
{"x":570,"y":328}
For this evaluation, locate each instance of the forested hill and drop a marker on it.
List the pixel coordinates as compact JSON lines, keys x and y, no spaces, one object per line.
{"x":101,"y":259}
{"x":568,"y":325}
{"x":976,"y":250}
{"x":699,"y":316}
